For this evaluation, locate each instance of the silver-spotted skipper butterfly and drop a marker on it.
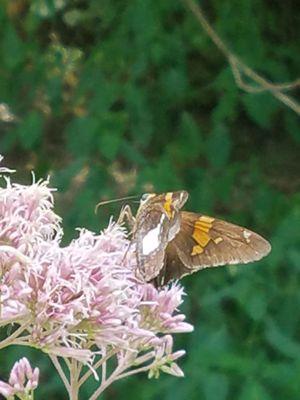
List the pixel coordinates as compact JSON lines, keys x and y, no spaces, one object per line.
{"x":171,"y":243}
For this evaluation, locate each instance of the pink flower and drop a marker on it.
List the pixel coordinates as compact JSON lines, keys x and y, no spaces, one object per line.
{"x":165,"y":359}
{"x":22,"y":381}
{"x":26,"y":216}
{"x":158,"y":309}
{"x":83,"y":299}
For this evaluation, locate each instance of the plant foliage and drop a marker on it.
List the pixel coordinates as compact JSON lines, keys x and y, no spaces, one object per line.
{"x":119,"y":98}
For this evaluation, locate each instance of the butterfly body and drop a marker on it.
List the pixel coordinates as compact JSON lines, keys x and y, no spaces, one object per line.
{"x":171,"y":243}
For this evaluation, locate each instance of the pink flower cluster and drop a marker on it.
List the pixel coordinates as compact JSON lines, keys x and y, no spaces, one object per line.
{"x":68,"y":299}
{"x":22,"y":381}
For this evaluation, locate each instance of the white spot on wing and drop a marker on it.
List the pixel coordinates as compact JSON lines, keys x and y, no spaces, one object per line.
{"x":247,"y":235}
{"x":151,"y":240}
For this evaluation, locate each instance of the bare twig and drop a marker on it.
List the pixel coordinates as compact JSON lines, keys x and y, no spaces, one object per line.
{"x":239,"y":68}
{"x":237,"y":73}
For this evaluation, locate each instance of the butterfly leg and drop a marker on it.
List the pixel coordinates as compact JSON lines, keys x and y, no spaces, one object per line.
{"x":126,"y":215}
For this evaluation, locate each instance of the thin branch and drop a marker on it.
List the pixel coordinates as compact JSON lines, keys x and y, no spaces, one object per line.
{"x":10,"y":340}
{"x":74,"y":384}
{"x":258,"y":89}
{"x":98,"y":364}
{"x":238,"y":66}
{"x":113,"y":376}
{"x":24,"y":341}
{"x":119,"y":374}
{"x":68,"y":363}
{"x":61,"y":373}
{"x":103,"y":370}
{"x":12,"y":320}
{"x":135,"y":371}
{"x":105,"y":384}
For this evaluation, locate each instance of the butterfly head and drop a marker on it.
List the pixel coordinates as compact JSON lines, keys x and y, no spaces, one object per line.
{"x":174,"y":199}
{"x":146,"y":198}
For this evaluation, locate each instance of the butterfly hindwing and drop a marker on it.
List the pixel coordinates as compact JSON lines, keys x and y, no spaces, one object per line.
{"x":204,"y":242}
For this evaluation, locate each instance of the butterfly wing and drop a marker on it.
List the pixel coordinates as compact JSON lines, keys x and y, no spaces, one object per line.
{"x":204,"y":242}
{"x":157,"y":223}
{"x":151,"y":239}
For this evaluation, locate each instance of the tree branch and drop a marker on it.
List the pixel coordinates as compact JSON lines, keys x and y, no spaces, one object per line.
{"x":239,"y":68}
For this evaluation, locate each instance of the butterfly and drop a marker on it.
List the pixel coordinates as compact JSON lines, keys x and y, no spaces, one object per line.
{"x":171,"y":243}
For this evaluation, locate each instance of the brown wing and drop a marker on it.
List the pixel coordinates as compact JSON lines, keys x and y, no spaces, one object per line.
{"x":153,"y":233}
{"x":204,"y":242}
{"x":157,"y":223}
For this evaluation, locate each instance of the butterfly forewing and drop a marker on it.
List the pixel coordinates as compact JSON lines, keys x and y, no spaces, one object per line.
{"x":151,"y":242}
{"x":204,"y":242}
{"x":157,"y":223}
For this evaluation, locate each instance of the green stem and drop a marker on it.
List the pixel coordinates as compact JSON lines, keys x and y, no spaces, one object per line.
{"x":10,"y":340}
{"x":61,"y":373}
{"x":96,"y":366}
{"x":74,"y":384}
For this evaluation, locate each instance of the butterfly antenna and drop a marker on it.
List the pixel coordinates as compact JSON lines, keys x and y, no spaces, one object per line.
{"x":102,"y":203}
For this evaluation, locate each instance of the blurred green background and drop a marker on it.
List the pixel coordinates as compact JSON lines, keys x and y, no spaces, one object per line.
{"x":125,"y":97}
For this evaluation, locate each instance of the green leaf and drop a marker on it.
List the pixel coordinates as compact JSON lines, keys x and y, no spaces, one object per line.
{"x":261,"y":108}
{"x":292,"y":126}
{"x":281,"y":342}
{"x":30,"y":130}
{"x":174,"y":83}
{"x":13,"y":51}
{"x":188,"y":144}
{"x":253,"y":390}
{"x":109,"y":144}
{"x":140,"y":118}
{"x":81,"y":134}
{"x":256,"y":304}
{"x":162,"y":175}
{"x":110,"y":132}
{"x":226,"y":108}
{"x":218,"y":147}
{"x":216,"y":387}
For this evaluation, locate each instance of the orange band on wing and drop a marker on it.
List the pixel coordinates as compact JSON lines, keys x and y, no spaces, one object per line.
{"x":206,"y":220}
{"x":197,"y":250}
{"x":168,"y":203}
{"x":200,"y":234}
{"x":201,"y":237}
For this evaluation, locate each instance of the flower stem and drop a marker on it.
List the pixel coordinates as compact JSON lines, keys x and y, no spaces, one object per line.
{"x":98,"y":364}
{"x":74,"y":384}
{"x":113,"y":377}
{"x":61,"y":373}
{"x":105,"y":384}
{"x":135,"y":371}
{"x":10,"y":340}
